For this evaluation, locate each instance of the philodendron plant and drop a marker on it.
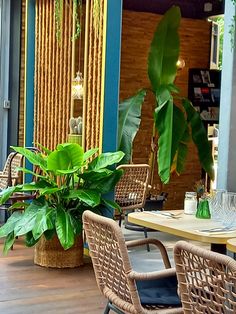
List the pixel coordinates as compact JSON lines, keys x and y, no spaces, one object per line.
{"x":68,"y":183}
{"x":174,"y":125}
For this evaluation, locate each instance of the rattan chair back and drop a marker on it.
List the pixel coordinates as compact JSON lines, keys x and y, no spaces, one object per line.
{"x":10,"y":175}
{"x":207,"y":280}
{"x":131,"y":190}
{"x":110,"y":261}
{"x":115,"y":277}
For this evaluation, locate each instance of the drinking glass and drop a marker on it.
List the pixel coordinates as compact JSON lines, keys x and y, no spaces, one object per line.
{"x":216,"y":204}
{"x":229,"y":209}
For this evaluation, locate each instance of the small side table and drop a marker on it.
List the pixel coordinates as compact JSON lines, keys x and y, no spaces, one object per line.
{"x":231,"y":246}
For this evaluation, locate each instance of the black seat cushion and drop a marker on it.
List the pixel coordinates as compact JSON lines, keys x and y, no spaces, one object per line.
{"x":159,"y":292}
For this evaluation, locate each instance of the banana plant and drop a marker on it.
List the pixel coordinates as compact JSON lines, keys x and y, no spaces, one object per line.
{"x":174,"y":125}
{"x":70,"y":181}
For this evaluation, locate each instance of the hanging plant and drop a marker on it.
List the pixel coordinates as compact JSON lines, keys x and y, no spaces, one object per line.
{"x":76,"y":13}
{"x":77,"y":6}
{"x":96,"y":16}
{"x":59,"y":5}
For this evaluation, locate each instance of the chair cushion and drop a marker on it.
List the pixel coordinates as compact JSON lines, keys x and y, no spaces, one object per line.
{"x":159,"y":292}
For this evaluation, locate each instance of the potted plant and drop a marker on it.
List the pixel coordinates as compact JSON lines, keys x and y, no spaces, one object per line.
{"x":176,"y":122}
{"x":70,"y":182}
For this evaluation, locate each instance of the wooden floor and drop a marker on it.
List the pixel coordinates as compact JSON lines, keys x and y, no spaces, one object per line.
{"x":29,"y":289}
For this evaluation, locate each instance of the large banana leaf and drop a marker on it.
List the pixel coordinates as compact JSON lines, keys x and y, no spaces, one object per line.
{"x":199,"y":136}
{"x":170,"y":124}
{"x":182,"y":151}
{"x":164,"y":50}
{"x":129,"y":121}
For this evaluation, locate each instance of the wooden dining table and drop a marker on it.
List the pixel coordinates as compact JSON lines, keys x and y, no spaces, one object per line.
{"x":177,"y":223}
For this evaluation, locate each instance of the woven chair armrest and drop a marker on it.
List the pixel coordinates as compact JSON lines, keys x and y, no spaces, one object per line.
{"x":157,"y":243}
{"x":6,"y":176}
{"x":152,"y":275}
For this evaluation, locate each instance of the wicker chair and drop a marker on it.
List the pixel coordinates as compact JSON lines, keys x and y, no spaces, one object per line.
{"x":128,"y":291}
{"x":10,"y":176}
{"x":207,"y":280}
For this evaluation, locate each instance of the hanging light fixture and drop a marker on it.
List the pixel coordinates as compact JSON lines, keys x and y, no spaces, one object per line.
{"x":180,"y":64}
{"x":78,"y":86}
{"x":78,"y":82}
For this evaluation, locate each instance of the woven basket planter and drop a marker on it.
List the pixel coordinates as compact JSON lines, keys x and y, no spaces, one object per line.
{"x":51,"y":253}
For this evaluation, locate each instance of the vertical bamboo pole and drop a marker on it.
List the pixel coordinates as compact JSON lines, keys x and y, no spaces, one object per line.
{"x":85,"y":70}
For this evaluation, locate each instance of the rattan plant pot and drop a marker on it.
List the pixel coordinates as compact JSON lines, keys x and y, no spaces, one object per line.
{"x":51,"y":253}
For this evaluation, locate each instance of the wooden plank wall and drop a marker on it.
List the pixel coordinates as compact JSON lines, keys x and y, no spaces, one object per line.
{"x":137,"y":33}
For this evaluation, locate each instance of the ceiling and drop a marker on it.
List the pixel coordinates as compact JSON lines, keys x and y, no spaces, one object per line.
{"x":196,"y":9}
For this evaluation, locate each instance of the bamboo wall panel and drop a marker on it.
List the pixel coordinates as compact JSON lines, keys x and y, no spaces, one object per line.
{"x":137,"y":32}
{"x":22,"y":77}
{"x":93,"y":92}
{"x":53,"y":64}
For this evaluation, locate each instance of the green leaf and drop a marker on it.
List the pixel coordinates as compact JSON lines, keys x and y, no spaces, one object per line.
{"x":27,"y":221}
{"x":112,"y":204}
{"x":10,"y":239}
{"x":31,"y":172}
{"x":75,"y":153}
{"x":69,"y":171}
{"x":58,"y":160}
{"x":29,"y":239}
{"x":64,"y":229}
{"x":104,"y":160}
{"x":43,"y":148}
{"x":107,"y":184}
{"x":182,"y":151}
{"x":49,"y":234}
{"x":18,"y":205}
{"x":129,"y":122}
{"x":45,"y":220}
{"x":35,"y":159}
{"x":90,"y":153}
{"x":164,"y":50}
{"x":181,"y":157}
{"x":89,"y":197}
{"x":7,"y":193}
{"x":199,"y":136}
{"x":179,"y":126}
{"x":49,"y":191}
{"x":77,"y":224}
{"x":9,"y":226}
{"x":163,"y":118}
{"x":91,"y":175}
{"x":163,"y":95}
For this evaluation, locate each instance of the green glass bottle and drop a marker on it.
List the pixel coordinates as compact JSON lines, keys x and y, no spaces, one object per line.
{"x":203,"y":210}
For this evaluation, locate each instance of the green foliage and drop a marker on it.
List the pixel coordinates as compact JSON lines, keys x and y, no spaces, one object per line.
{"x":67,"y":185}
{"x":59,"y":9}
{"x":174,"y":125}
{"x":164,"y":50}
{"x":129,"y":121}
